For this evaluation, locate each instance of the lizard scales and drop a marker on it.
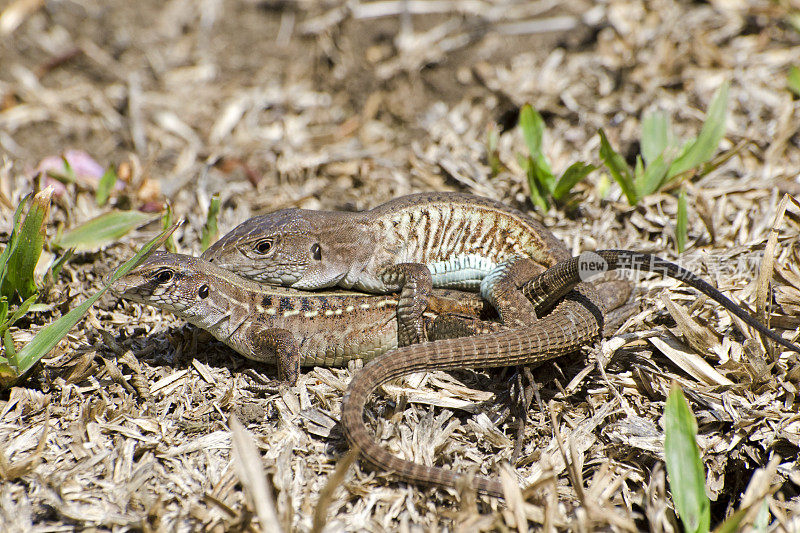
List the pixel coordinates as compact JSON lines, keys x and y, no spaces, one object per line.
{"x":459,"y":237}
{"x":337,"y":326}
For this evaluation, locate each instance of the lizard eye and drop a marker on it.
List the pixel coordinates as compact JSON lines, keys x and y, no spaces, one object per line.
{"x":203,"y":291}
{"x":163,"y":275}
{"x":263,"y":246}
{"x":316,"y":251}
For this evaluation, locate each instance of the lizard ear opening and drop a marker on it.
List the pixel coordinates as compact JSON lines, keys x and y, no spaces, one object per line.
{"x":316,"y":251}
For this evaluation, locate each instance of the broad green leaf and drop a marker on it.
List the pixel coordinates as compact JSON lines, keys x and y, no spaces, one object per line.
{"x":652,"y":178}
{"x":618,"y":168}
{"x":793,"y":80}
{"x":166,"y":221}
{"x":655,"y":135}
{"x":22,"y":260}
{"x":545,"y":174}
{"x":210,"y":229}
{"x":50,"y":335}
{"x":682,"y":223}
{"x":571,"y":177}
{"x":104,"y":186}
{"x":687,"y":480}
{"x":103,"y":230}
{"x":712,"y":132}
{"x":532,"y":125}
{"x":13,"y":240}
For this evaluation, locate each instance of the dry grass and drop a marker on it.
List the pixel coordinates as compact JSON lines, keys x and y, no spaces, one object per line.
{"x":343,"y":106}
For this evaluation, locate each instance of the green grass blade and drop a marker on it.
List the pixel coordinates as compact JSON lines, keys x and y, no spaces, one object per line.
{"x":11,"y":353}
{"x":68,"y":176}
{"x":50,"y":335}
{"x":13,"y":240}
{"x":103,"y":230}
{"x":22,"y":260}
{"x":492,"y":150}
{"x":59,"y":263}
{"x":571,"y":177}
{"x":638,"y":171}
{"x":687,"y":479}
{"x":706,"y":144}
{"x":682,"y":223}
{"x":733,"y":522}
{"x":793,"y":80}
{"x":166,"y":221}
{"x":655,"y":135}
{"x":618,"y":168}
{"x":107,"y":182}
{"x":19,"y":312}
{"x":210,"y":228}
{"x":653,"y":177}
{"x":532,"y":125}
{"x":538,"y":192}
{"x":3,"y":309}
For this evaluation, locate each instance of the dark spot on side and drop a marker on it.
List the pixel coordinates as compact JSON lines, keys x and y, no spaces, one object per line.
{"x":285,"y":305}
{"x":305,"y":305}
{"x":267,"y":301}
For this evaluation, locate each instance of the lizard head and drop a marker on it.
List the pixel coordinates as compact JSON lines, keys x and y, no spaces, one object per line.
{"x":186,"y":286}
{"x":290,"y":247}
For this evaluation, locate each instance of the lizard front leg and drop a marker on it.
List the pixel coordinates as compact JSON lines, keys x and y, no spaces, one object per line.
{"x":414,"y":283}
{"x":268,"y":344}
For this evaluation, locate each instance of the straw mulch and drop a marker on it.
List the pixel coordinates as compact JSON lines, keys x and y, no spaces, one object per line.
{"x":127,"y":424}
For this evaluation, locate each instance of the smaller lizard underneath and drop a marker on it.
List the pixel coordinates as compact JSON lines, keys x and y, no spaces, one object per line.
{"x":271,"y":324}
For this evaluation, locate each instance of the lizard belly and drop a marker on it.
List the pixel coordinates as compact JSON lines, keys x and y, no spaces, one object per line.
{"x":463,"y":272}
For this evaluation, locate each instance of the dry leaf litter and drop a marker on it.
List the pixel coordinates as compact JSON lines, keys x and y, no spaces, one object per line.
{"x":343,"y":106}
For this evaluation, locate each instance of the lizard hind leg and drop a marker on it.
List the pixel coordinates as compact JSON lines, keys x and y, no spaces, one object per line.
{"x":501,"y":287}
